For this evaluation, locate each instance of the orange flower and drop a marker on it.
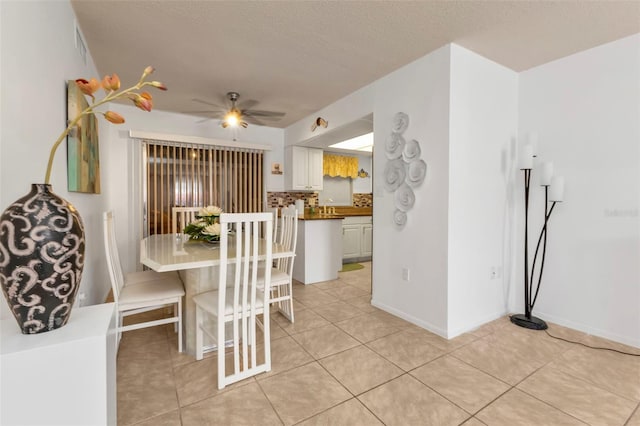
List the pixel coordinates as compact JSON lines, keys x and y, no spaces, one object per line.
{"x":88,"y":87}
{"x":148,"y":70}
{"x":158,"y":85}
{"x":111,"y":86}
{"x":143,"y":101}
{"x":111,"y":83}
{"x":114,"y":117}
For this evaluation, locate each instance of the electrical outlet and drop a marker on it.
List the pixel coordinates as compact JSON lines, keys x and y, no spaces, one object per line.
{"x":405,"y":274}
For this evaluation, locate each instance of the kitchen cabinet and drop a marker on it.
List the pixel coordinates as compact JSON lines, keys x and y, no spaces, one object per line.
{"x":367,"y":240}
{"x":351,"y":241}
{"x":357,"y":238}
{"x":303,"y":169}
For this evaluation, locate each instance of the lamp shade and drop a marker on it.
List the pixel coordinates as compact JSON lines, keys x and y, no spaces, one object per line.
{"x":556,"y":190}
{"x":525,"y":158}
{"x":546,"y":173}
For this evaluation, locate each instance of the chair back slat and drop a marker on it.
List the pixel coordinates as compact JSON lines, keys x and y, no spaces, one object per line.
{"x":248,"y":299}
{"x":275,"y":211}
{"x":113,"y":259}
{"x":288,"y":236}
{"x":182,"y":216}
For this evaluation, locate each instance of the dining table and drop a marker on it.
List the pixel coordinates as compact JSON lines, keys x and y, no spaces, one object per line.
{"x":197,"y":264}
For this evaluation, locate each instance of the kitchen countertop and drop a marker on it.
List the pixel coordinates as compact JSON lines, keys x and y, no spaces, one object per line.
{"x":340,"y":213}
{"x":317,"y":216}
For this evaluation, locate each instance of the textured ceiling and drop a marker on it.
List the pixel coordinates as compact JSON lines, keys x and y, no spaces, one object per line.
{"x":300,"y":56}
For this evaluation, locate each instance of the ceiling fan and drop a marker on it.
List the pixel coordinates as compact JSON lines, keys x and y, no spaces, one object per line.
{"x":238,"y":115}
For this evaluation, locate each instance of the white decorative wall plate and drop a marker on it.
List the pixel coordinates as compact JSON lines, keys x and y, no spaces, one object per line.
{"x":394,"y":145}
{"x":399,"y":218}
{"x":405,"y":198}
{"x":400,"y":123}
{"x":416,"y":173}
{"x":411,"y":151}
{"x":395,"y":173}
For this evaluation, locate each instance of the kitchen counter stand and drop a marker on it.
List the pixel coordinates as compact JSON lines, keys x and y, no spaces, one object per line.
{"x":318,"y":249}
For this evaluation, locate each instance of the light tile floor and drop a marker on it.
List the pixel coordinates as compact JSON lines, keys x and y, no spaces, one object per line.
{"x":344,"y":362}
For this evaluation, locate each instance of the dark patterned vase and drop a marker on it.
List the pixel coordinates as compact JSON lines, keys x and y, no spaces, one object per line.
{"x":41,"y":259}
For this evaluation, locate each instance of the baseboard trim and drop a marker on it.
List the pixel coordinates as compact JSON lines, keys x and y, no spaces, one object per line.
{"x":476,"y":324}
{"x":589,"y":330}
{"x":413,"y":320}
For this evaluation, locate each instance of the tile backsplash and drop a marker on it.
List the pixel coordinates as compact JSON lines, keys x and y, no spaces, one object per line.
{"x":358,"y":200}
{"x":362,"y":200}
{"x":288,"y":198}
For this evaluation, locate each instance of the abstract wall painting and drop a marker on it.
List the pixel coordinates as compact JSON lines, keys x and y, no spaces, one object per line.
{"x":83,"y":153}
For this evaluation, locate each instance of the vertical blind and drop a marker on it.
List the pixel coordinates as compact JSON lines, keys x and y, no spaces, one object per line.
{"x":190,"y":175}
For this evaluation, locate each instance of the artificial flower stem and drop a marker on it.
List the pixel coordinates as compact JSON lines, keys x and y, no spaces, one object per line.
{"x":110,"y":97}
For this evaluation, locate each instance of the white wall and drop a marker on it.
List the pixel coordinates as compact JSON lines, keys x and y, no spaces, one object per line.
{"x":38,"y":57}
{"x":586,"y":110}
{"x":344,"y":111}
{"x":421,"y":90}
{"x":482,"y":128}
{"x":364,"y":185}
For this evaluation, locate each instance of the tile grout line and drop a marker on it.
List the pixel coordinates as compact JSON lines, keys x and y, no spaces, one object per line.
{"x":347,"y":389}
{"x":586,"y":380}
{"x":637,"y":410}
{"x":549,"y":403}
{"x":535,"y":397}
{"x":269,"y":401}
{"x":515,"y":385}
{"x":317,"y":360}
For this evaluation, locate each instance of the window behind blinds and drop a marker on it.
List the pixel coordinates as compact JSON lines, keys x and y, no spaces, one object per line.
{"x":189,"y":175}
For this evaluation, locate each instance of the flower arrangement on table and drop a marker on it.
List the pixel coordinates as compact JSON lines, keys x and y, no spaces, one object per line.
{"x":206,"y":228}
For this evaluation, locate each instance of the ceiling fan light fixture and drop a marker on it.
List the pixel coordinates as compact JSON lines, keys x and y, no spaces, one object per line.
{"x":235,"y":117}
{"x":232,"y":118}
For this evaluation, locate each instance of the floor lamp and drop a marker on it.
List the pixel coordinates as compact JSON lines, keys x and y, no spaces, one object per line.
{"x":553,"y":193}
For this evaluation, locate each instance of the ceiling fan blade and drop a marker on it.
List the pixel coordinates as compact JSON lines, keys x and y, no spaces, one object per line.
{"x":247,"y":105}
{"x":253,"y":120}
{"x":202,"y":112}
{"x":262,"y":119}
{"x":205,"y":119}
{"x":260,"y":113}
{"x":208,"y":103}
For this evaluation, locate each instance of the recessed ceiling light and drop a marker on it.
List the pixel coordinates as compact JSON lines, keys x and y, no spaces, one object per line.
{"x":360,"y":143}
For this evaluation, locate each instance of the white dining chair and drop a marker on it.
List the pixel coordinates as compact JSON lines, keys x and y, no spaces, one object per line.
{"x":282,"y":273}
{"x":238,"y":299}
{"x":276,"y":213}
{"x":182,"y":216}
{"x":281,"y":289}
{"x":143,"y":291}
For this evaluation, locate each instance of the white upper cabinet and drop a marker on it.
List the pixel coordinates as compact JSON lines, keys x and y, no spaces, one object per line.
{"x":303,"y":169}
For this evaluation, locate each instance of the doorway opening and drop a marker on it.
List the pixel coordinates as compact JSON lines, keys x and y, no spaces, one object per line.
{"x":354,"y":139}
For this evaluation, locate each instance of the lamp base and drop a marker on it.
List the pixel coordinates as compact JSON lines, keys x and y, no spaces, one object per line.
{"x":532,"y":323}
